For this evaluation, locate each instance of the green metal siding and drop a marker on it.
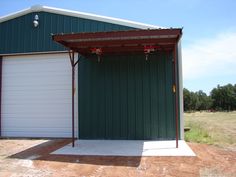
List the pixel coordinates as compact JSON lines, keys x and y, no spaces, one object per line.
{"x":123,"y":97}
{"x":126,"y":97}
{"x":19,"y":36}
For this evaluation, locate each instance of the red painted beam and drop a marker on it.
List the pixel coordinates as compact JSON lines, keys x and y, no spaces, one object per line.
{"x":123,"y":49}
{"x":117,"y":43}
{"x":117,"y":34}
{"x":72,"y":60}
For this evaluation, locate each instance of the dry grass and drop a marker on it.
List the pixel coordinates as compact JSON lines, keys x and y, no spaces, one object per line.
{"x":217,"y":128}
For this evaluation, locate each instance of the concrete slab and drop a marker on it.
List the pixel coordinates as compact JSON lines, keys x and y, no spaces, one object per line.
{"x":126,"y":148}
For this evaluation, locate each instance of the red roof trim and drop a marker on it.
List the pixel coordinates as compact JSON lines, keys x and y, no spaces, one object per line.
{"x":122,"y":41}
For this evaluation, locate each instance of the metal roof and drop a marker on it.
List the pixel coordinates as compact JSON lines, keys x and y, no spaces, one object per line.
{"x":39,"y":8}
{"x":120,"y":41}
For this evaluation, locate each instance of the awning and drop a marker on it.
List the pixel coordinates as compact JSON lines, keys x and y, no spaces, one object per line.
{"x":116,"y":42}
{"x":119,"y":42}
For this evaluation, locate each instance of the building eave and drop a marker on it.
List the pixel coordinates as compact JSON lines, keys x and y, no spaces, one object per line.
{"x":39,"y":8}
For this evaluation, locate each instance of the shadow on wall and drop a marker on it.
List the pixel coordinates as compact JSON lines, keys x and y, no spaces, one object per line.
{"x":43,"y":152}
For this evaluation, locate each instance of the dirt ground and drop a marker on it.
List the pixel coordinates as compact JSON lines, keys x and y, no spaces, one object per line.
{"x":33,"y":158}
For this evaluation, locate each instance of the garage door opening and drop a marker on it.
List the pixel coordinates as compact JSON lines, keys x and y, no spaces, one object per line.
{"x":36,"y":96}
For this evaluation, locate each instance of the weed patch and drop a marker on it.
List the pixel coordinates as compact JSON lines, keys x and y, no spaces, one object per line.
{"x":198,"y":134}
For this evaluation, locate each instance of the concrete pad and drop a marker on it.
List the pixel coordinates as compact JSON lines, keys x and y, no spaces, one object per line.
{"x":126,"y":148}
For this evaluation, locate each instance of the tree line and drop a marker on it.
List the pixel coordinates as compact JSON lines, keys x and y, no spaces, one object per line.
{"x":221,"y":98}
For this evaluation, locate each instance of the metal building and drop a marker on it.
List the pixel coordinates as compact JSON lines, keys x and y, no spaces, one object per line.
{"x":128,"y":80}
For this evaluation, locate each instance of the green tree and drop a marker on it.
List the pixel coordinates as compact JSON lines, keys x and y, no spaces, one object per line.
{"x":224,"y":97}
{"x":204,"y":101}
{"x":191,"y":100}
{"x":187,"y":99}
{"x":221,"y":98}
{"x":194,"y":101}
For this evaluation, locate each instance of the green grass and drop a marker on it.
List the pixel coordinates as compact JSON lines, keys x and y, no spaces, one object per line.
{"x":212,"y":128}
{"x":198,"y":134}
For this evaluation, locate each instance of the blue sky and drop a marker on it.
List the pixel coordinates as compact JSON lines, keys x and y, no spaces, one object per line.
{"x":209,"y":39}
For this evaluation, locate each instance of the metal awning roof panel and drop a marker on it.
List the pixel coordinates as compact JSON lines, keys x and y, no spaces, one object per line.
{"x":120,"y":41}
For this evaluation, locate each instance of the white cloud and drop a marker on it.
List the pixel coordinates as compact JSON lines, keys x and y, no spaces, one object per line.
{"x":210,"y":57}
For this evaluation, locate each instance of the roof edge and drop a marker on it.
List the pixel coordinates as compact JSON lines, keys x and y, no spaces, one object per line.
{"x":118,"y":21}
{"x":15,"y":15}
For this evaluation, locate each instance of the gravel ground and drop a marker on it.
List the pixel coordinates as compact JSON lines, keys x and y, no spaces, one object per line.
{"x":32,"y":158}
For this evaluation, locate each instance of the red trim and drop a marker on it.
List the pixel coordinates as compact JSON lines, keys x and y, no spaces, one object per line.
{"x":117,"y":34}
{"x":124,"y":49}
{"x":119,"y":41}
{"x":73,"y":64}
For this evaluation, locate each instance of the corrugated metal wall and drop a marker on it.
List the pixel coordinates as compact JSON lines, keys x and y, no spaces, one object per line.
{"x":19,"y":36}
{"x":126,"y":97}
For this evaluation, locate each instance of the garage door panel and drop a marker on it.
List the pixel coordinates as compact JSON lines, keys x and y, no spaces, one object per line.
{"x":42,"y":124}
{"x":34,"y":110}
{"x":39,"y":117}
{"x":36,"y":70}
{"x":39,"y":102}
{"x":40,"y":87}
{"x":53,"y":134}
{"x":36,"y":96}
{"x":51,"y":79}
{"x":59,"y":98}
{"x":40,"y":61}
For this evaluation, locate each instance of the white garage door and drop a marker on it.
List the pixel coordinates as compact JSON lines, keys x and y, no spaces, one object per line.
{"x":36,"y":96}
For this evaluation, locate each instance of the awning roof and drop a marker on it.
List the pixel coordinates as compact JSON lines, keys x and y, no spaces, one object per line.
{"x":117,"y":42}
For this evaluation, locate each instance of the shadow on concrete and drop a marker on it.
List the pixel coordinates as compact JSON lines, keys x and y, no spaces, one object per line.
{"x":43,"y":152}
